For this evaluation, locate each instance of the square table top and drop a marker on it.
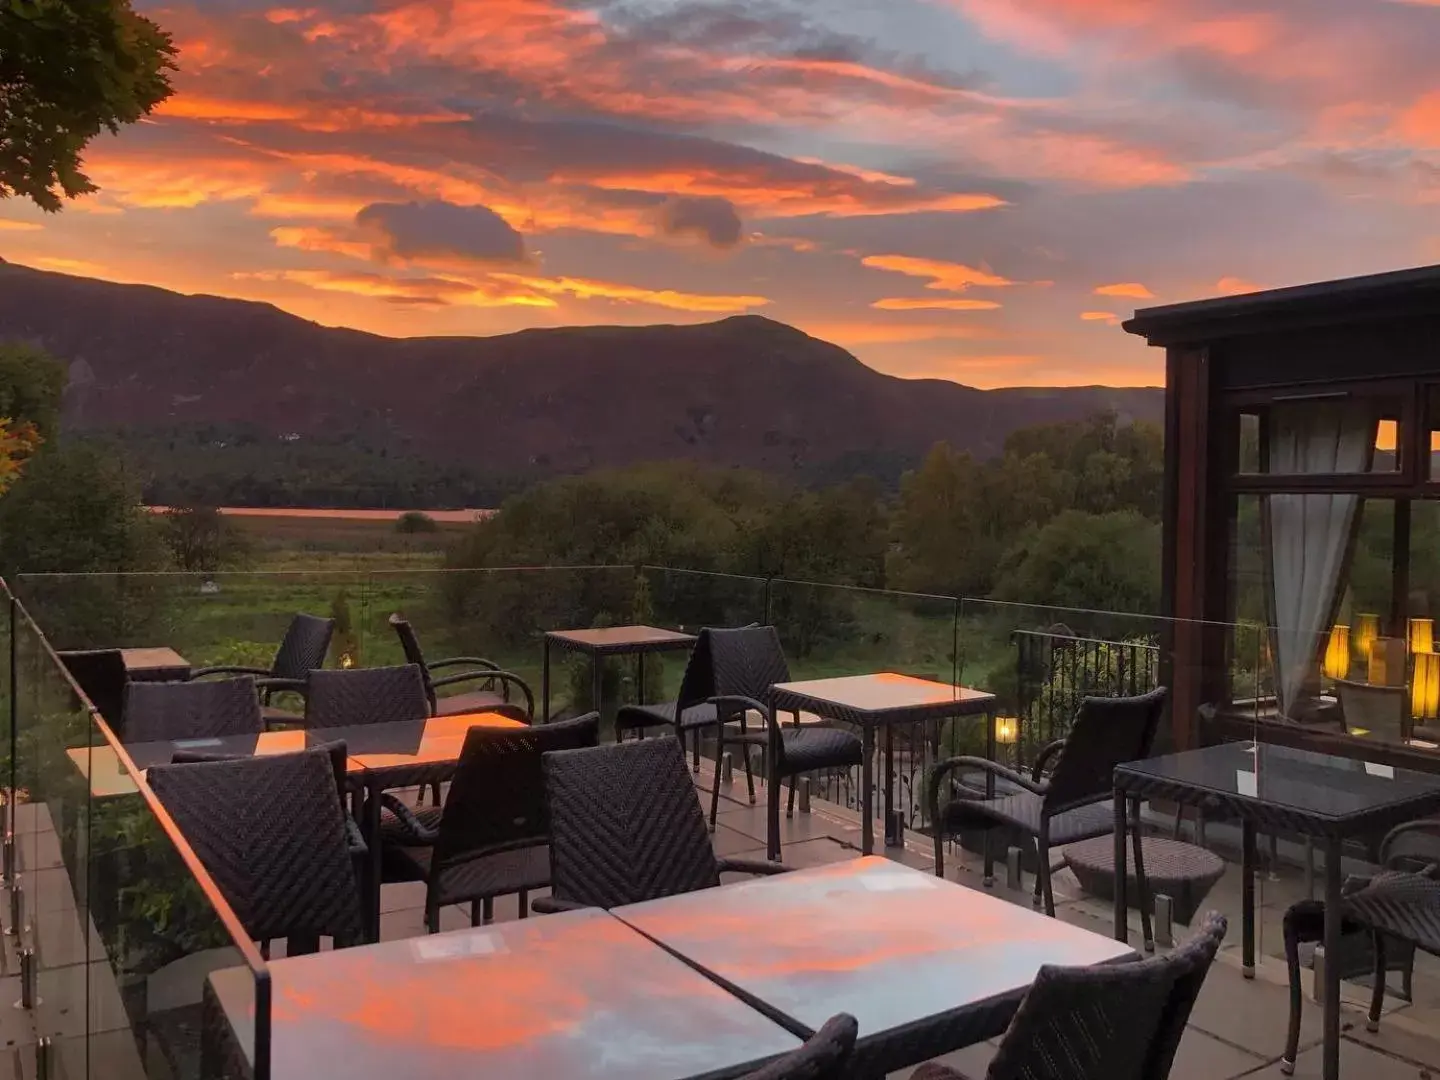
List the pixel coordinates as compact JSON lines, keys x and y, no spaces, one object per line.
{"x":151,"y":659}
{"x":876,"y":695}
{"x":100,"y":764}
{"x":422,"y":742}
{"x":888,"y":944}
{"x":578,"y":996}
{"x":606,"y":639}
{"x":1260,"y":779}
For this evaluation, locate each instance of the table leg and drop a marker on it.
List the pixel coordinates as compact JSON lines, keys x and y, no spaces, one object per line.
{"x":1247,"y":899}
{"x":640,"y":681}
{"x":990,"y":753}
{"x":867,"y":782}
{"x":772,"y":779}
{"x":890,"y":838}
{"x":1122,"y":871}
{"x":545,"y":683}
{"x":1330,"y":1069}
{"x":597,"y":688}
{"x":372,"y":845}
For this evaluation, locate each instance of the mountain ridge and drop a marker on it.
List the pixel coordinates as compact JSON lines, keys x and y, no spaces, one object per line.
{"x":744,"y":391}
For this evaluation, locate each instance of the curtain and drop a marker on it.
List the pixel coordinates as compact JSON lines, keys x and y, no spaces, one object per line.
{"x":1310,"y":534}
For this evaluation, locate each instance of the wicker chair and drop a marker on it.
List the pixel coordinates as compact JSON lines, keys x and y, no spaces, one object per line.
{"x":493,"y":697}
{"x":626,"y":826}
{"x":358,"y":696}
{"x":746,"y":663}
{"x":1398,"y":910}
{"x":823,"y":1057}
{"x":689,"y":714}
{"x":1381,"y":711}
{"x":101,"y":674}
{"x":492,"y":837}
{"x":302,"y":650}
{"x":163,"y":712}
{"x":1074,"y":803}
{"x":272,"y":834}
{"x":1111,"y":1022}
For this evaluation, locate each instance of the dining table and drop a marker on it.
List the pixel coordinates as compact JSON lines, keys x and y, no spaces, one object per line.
{"x":874,"y":702}
{"x":925,"y":965}
{"x":602,"y":642}
{"x":573,"y":996}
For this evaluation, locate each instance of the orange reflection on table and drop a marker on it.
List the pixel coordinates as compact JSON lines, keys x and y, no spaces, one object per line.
{"x":442,"y":739}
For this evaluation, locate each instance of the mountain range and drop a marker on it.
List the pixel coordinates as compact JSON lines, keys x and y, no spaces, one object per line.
{"x":743,"y":391}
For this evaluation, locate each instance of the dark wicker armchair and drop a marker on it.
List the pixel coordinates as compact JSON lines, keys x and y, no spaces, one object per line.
{"x":689,"y":714}
{"x":823,"y":1057}
{"x":272,"y":834}
{"x":101,"y":674}
{"x":164,"y":712}
{"x":1398,"y":910}
{"x":1111,"y":1022}
{"x":626,"y":826}
{"x":492,"y":696}
{"x":1073,"y":803}
{"x":492,"y":837}
{"x":745,"y":663}
{"x":302,"y":650}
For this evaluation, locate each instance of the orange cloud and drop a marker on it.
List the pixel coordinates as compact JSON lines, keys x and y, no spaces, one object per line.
{"x":1420,"y":123}
{"x":305,"y":116}
{"x":948,"y":276}
{"x":906,"y":303}
{"x":1235,"y":286}
{"x":1107,"y":317}
{"x":435,"y":291}
{"x":883,"y":333}
{"x":586,"y":289}
{"x":1132,"y":289}
{"x":10,"y":225}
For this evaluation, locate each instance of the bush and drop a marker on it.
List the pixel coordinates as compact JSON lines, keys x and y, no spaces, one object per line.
{"x":415,"y":521}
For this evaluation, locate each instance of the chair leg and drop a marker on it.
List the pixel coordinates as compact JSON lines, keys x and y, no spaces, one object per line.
{"x":1407,"y":978}
{"x":989,"y":879}
{"x":790,"y":804}
{"x":1142,"y":886}
{"x":432,"y":918}
{"x":524,"y":901}
{"x":772,"y":812}
{"x":1038,"y":897}
{"x":474,"y":912}
{"x":1043,"y":844}
{"x":715,"y":781}
{"x":435,"y":791}
{"x":487,"y":910}
{"x":695,"y":751}
{"x":939,"y":832}
{"x":1377,"y":992}
{"x":1292,"y":963}
{"x":749,"y":774}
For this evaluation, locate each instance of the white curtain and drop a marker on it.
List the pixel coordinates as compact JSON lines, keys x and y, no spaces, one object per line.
{"x":1310,"y":534}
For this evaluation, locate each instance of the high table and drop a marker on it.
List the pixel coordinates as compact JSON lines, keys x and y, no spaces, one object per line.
{"x":871,"y":701}
{"x":1279,"y":789}
{"x":578,"y":996}
{"x":925,"y":965}
{"x":155,"y":665}
{"x":608,"y":641}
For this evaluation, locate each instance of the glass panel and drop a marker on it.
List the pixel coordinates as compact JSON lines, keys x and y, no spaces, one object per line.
{"x":124,"y":930}
{"x":1334,"y":435}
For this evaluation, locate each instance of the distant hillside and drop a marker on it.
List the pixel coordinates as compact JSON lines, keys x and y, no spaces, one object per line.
{"x":743,"y":391}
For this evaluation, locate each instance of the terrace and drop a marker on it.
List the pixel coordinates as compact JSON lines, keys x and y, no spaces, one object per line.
{"x":113,"y":925}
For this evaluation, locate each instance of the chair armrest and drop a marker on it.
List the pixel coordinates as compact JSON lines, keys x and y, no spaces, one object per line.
{"x":414,"y":828}
{"x":472,"y":661}
{"x":944,"y":768}
{"x":228,"y":669}
{"x":505,"y":677}
{"x":752,"y":866}
{"x":1037,"y":771}
{"x":549,"y":905}
{"x":1424,"y":825}
{"x":275,"y":684}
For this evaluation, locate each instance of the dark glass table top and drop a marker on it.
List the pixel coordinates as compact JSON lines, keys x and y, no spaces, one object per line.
{"x":577,"y":995}
{"x":884,"y":691}
{"x":886,"y":943}
{"x":621,"y":638}
{"x":1318,"y":785}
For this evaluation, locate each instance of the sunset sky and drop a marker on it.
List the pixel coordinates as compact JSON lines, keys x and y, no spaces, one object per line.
{"x":975,"y":190}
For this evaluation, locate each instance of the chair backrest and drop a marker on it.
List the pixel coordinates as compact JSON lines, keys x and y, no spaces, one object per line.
{"x":339,"y":763}
{"x":625,"y":824}
{"x":1380,"y":711}
{"x":303,"y":649}
{"x":380,"y":695}
{"x":159,"y":712}
{"x":747,"y":660}
{"x":497,"y":796}
{"x":272,"y":834}
{"x":823,"y":1057}
{"x":1116,"y":1021}
{"x":410,"y":645}
{"x":101,"y":674}
{"x":1107,"y":732}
